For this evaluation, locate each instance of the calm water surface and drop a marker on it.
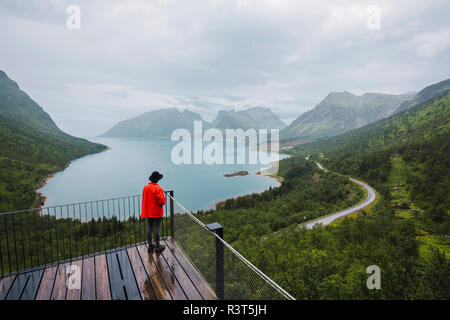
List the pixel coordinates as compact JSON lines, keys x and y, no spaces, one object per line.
{"x":124,"y":170}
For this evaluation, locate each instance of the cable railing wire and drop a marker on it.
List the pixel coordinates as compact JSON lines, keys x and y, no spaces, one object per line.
{"x":271,"y":291}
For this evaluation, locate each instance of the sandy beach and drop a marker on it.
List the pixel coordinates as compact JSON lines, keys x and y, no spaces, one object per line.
{"x":267,"y":174}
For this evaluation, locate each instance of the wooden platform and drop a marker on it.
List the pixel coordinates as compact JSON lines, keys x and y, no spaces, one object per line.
{"x":126,"y":274}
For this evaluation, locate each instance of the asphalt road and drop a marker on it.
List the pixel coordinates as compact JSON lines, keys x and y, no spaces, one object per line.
{"x":331,"y":217}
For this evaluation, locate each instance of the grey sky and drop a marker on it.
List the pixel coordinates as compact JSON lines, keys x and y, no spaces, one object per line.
{"x":133,"y":56}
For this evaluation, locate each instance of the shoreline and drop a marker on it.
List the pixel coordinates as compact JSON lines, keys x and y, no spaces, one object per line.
{"x":271,"y":176}
{"x":40,"y":200}
{"x":274,"y":177}
{"x":262,"y":173}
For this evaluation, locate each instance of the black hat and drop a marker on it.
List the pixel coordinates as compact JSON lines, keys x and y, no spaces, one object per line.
{"x":155,"y":177}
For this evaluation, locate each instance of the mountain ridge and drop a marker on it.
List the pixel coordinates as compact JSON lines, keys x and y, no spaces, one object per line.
{"x":156,"y":123}
{"x":168,"y":119}
{"x":31,"y":146}
{"x":343,"y":111}
{"x":254,"y":117}
{"x":425,"y":94}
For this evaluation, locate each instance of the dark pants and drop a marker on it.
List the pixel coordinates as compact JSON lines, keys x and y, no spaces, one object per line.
{"x":157,"y":223}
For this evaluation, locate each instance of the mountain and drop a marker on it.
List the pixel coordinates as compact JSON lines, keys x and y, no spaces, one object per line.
{"x":159,"y":123}
{"x":342,"y":111}
{"x":414,"y":126}
{"x":418,"y":139}
{"x":31,"y":146}
{"x":18,"y":106}
{"x":256,"y":117}
{"x":425,"y":94}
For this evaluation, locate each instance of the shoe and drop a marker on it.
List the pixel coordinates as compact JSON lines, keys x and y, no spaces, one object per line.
{"x":160,"y":248}
{"x":150,"y":248}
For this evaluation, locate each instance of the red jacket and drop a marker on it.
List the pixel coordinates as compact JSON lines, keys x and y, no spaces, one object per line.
{"x":153,"y":200}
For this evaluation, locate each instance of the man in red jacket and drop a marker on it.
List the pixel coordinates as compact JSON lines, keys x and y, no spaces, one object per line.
{"x":153,"y":200}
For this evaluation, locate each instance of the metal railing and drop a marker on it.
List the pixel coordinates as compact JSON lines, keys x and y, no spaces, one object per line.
{"x":38,"y":237}
{"x":226,"y":270}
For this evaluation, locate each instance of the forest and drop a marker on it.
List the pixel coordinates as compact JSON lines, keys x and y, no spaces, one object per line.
{"x":330,"y":262}
{"x":28,"y":155}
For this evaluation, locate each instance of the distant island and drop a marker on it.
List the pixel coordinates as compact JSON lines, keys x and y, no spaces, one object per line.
{"x":237,"y":173}
{"x":161,"y":123}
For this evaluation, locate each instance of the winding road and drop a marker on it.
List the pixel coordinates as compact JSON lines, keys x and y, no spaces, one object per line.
{"x":371,"y":196}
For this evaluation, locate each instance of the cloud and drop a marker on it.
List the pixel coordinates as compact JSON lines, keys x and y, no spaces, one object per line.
{"x":430,"y":44}
{"x":133,"y":56}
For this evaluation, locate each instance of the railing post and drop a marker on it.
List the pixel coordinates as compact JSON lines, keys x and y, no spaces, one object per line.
{"x":220,"y":284}
{"x":172,"y":216}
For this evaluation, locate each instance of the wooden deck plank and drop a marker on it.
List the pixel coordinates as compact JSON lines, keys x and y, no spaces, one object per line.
{"x":115,"y":280}
{"x":202,"y":286}
{"x":46,"y":286}
{"x":17,"y":287}
{"x":169,"y":278}
{"x":32,"y":286}
{"x":158,"y":284}
{"x":5,"y":284}
{"x":142,"y":279}
{"x":121,"y":277}
{"x":74,"y":285}
{"x":183,"y":279}
{"x":103,"y":291}
{"x":125,"y":274}
{"x":129,"y":280}
{"x":88,"y":279}
{"x":60,"y":287}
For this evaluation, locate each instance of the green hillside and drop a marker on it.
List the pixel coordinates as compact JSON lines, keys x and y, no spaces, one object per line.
{"x":31,"y":146}
{"x":427,"y":121}
{"x":434,"y":90}
{"x":420,"y":135}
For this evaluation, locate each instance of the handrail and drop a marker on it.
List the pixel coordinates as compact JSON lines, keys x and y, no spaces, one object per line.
{"x":73,"y":204}
{"x":244,"y":260}
{"x":37,"y":237}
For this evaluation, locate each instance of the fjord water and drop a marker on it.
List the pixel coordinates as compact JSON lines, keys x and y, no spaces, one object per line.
{"x":124,"y":169}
